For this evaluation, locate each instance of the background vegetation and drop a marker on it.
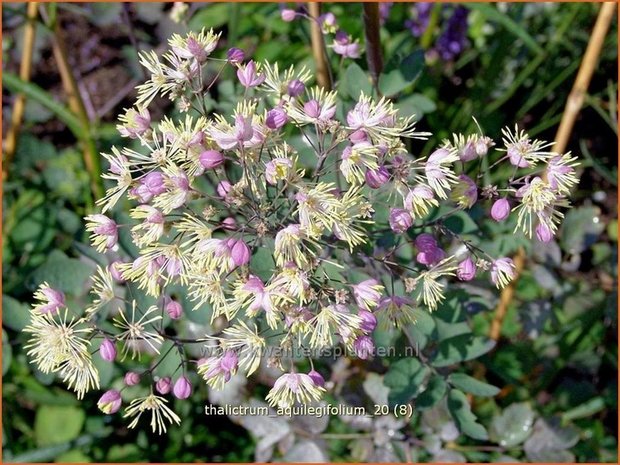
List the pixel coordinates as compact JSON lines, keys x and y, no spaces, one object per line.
{"x":556,"y":357}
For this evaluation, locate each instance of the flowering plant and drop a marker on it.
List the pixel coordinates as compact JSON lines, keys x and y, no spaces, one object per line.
{"x":281,"y":243}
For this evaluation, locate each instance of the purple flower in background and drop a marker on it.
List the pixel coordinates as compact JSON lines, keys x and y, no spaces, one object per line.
{"x":421,"y":15}
{"x":384,"y":10}
{"x":453,"y":39}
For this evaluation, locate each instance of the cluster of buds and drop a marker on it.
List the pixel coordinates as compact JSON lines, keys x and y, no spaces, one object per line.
{"x":276,"y":252}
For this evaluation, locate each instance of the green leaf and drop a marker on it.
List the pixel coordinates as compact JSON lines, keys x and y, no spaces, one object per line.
{"x":73,"y":456}
{"x":492,"y":13}
{"x":584,"y":410}
{"x":461,"y":348}
{"x":63,"y":273}
{"x":262,"y":263}
{"x":15,"y":315}
{"x":36,"y":93}
{"x":465,"y":420}
{"x":513,"y":426}
{"x":215,"y":16}
{"x":472,"y":385}
{"x":356,"y":81}
{"x":434,"y":392}
{"x":416,"y":105}
{"x":57,"y":424}
{"x":399,"y":75}
{"x":405,"y":379}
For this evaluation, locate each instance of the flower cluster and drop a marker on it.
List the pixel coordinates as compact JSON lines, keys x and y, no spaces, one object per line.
{"x":341,"y":42}
{"x":269,"y":220}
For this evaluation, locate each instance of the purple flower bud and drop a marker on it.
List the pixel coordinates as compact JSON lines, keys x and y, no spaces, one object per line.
{"x":341,"y":38}
{"x":431,"y":256}
{"x":154,"y":181}
{"x":182,"y":388}
{"x":210,"y":159}
{"x":358,"y":136}
{"x":369,"y":321}
{"x":364,"y":347}
{"x":400,"y":220}
{"x":312,"y":108}
{"x":500,"y":210}
{"x":229,"y":223}
{"x":163,"y":385}
{"x":377,"y":178}
{"x":296,"y":88}
{"x":223,"y":188}
{"x":466,"y":270}
{"x":131,"y":378}
{"x":240,"y":253}
{"x":110,"y":402}
{"x":544,"y":233}
{"x":317,"y":378}
{"x":107,"y":350}
{"x":235,"y":55}
{"x":174,"y":309}
{"x":276,"y":118}
{"x":229,"y":361}
{"x":287,"y":15}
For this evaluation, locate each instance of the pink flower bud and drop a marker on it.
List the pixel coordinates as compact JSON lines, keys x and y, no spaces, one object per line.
{"x":369,"y":321}
{"x":500,"y":210}
{"x":431,"y":256}
{"x":131,"y":378}
{"x":182,"y":388}
{"x":295,"y":88}
{"x":174,"y":309}
{"x":543,"y":233}
{"x":317,"y":378}
{"x":110,"y":402}
{"x":364,"y":347}
{"x":276,"y":118}
{"x":235,"y":55}
{"x":466,"y":270}
{"x":163,"y":385}
{"x":312,"y":108}
{"x":210,"y":159}
{"x":366,"y":293}
{"x":341,"y":38}
{"x":377,"y":178}
{"x":240,"y":253}
{"x":358,"y":136}
{"x":400,"y":220}
{"x":288,"y":15}
{"x":223,"y":188}
{"x":229,"y":223}
{"x":107,"y":350}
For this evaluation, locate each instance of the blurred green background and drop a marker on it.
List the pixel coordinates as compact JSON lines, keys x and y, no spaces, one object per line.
{"x":556,"y":359}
